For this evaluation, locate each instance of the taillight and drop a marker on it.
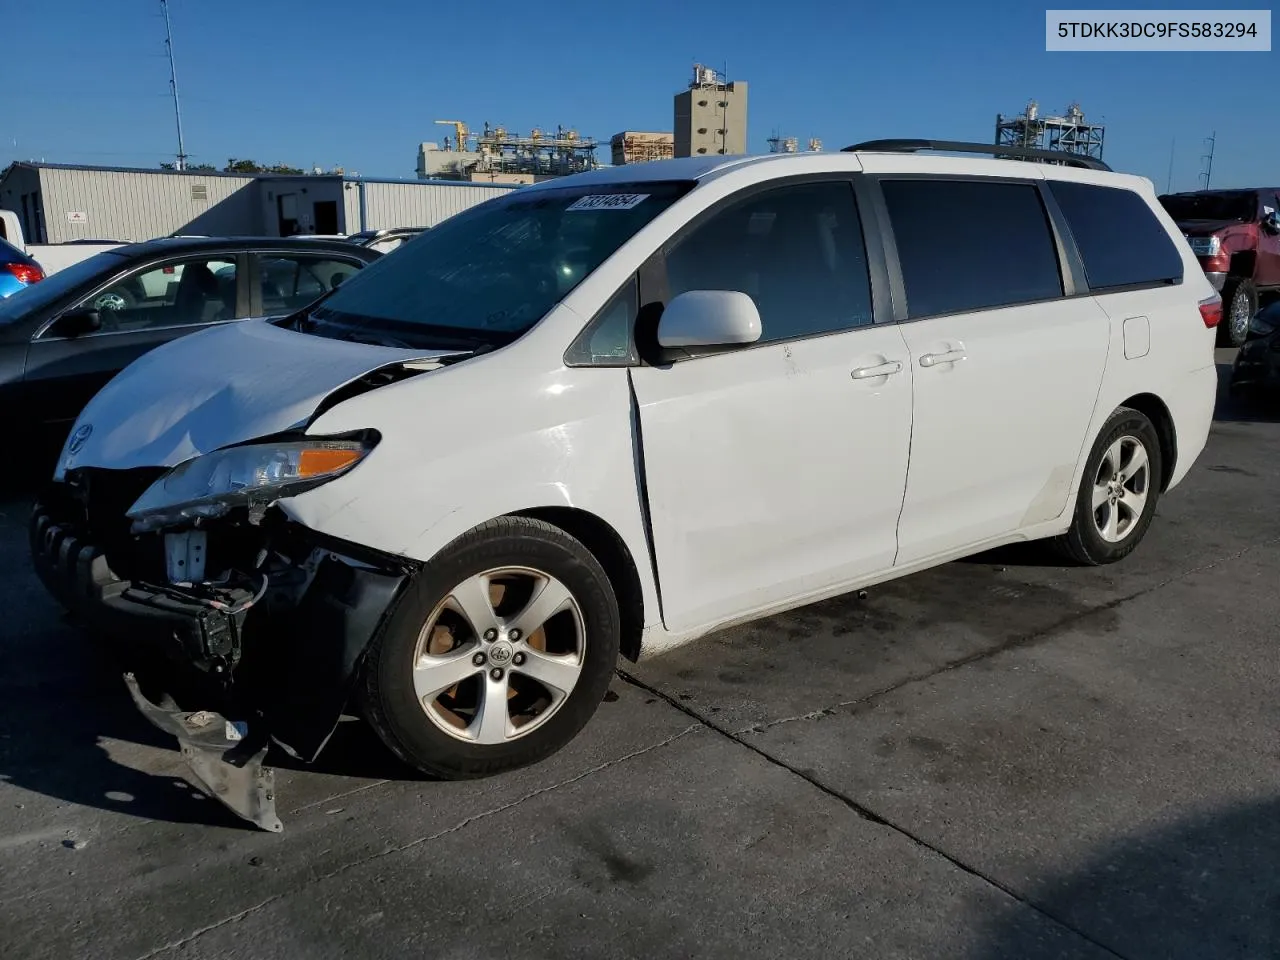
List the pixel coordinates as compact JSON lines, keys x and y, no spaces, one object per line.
{"x":1211,"y":311}
{"x":26,"y":272}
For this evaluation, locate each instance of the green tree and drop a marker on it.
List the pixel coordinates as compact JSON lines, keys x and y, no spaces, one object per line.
{"x":249,"y":166}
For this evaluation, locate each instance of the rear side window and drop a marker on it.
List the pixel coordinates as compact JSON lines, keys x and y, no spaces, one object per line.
{"x":1120,"y":240}
{"x":971,"y":245}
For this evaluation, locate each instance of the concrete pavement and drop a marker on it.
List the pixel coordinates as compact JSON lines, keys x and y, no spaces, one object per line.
{"x":998,"y":758}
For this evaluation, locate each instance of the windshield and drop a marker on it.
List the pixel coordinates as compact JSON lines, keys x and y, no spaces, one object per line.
{"x":491,"y":272}
{"x":1239,"y":205}
{"x":60,"y":284}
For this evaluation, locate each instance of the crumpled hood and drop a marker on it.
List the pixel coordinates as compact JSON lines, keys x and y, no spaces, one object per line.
{"x":211,"y":389}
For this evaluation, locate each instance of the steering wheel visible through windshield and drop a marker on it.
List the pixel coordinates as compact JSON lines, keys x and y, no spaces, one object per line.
{"x":489,"y":274}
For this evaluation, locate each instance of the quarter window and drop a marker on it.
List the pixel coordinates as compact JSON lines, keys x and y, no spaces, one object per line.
{"x":797,"y":251}
{"x":609,"y":339}
{"x":971,"y":244}
{"x":1121,"y":242}
{"x":289,"y":283}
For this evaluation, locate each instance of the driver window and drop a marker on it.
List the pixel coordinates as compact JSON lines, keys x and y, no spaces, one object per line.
{"x":195,"y":291}
{"x":796,"y":250}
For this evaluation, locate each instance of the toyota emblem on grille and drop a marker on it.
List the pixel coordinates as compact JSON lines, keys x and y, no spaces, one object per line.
{"x":79,"y":437}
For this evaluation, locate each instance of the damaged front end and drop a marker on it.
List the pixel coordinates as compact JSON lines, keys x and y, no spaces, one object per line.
{"x":237,"y":627}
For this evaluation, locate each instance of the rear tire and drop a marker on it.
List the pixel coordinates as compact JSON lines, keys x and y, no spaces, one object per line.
{"x":1239,"y":304}
{"x":1118,"y":493}
{"x":454,"y":683}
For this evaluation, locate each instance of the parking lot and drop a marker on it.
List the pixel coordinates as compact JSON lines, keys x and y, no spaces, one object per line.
{"x":998,"y":758}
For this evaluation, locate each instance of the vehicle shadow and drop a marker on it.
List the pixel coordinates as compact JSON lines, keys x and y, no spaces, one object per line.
{"x":1261,"y":406}
{"x":1202,"y":888}
{"x":74,"y":737}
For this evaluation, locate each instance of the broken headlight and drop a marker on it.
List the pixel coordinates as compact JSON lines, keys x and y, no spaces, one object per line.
{"x":213,"y":484}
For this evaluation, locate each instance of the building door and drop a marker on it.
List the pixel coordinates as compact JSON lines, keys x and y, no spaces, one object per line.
{"x":326,"y":216}
{"x":287,"y":214}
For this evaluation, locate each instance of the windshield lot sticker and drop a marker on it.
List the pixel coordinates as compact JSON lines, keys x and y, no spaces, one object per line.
{"x":608,"y":201}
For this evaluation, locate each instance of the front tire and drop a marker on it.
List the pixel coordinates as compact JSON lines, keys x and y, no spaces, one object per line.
{"x":1118,"y":491}
{"x":1240,"y":303}
{"x":498,"y":653}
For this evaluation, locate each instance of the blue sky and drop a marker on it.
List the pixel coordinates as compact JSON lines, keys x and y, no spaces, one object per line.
{"x":359,"y":84}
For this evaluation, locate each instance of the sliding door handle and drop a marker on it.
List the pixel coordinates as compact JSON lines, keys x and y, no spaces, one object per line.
{"x":879,"y":370}
{"x":933,"y":359}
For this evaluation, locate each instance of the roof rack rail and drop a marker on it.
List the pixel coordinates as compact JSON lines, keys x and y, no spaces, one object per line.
{"x":956,"y":146}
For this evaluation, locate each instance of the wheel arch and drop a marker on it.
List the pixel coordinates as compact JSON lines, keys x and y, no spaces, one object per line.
{"x":1242,"y":264}
{"x":1155,"y":410}
{"x":612,"y":552}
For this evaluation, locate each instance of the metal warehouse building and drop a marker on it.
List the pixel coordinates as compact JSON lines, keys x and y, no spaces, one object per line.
{"x":57,"y":203}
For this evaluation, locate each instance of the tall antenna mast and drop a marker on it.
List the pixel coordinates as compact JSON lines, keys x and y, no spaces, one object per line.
{"x":173,"y":84}
{"x":1168,"y":185}
{"x":1212,"y":141}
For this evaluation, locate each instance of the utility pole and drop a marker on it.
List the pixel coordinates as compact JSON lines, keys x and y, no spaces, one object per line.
{"x":173,"y":84}
{"x":1208,"y":171}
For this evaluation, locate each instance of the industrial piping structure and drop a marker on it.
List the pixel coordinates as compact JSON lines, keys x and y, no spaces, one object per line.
{"x":497,"y":151}
{"x":1065,"y":134}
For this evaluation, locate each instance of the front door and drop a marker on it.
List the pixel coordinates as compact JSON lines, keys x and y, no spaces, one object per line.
{"x":139,"y":312}
{"x":1006,"y":371}
{"x":776,"y":471}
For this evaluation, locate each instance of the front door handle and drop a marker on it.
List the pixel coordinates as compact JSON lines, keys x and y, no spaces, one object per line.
{"x":879,"y":370}
{"x":933,"y":359}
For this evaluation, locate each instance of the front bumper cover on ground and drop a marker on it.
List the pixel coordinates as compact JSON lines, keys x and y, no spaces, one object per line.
{"x":307,"y":657}
{"x":228,"y":765}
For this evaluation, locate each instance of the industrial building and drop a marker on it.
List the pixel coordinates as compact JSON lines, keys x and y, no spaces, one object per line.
{"x":781,"y":144}
{"x":710,"y":116}
{"x":633,"y":146}
{"x":1069,"y":133}
{"x":58,"y":203}
{"x":498,"y":155}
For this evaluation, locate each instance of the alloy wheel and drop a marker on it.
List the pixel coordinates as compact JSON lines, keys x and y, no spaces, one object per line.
{"x":499,"y":655}
{"x":1120,"y":489}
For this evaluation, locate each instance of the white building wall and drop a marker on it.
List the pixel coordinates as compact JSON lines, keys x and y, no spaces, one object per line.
{"x":119,"y":205}
{"x":416,"y":204}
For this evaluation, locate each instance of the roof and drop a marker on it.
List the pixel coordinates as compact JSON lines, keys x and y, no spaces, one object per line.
{"x":1192,"y":193}
{"x":203,"y":174}
{"x":710,"y":167}
{"x":168,"y":245}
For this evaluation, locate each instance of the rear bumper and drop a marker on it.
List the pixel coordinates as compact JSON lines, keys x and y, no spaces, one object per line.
{"x":277,"y":673}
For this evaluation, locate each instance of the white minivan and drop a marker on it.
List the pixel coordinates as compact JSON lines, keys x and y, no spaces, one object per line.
{"x":610,"y":413}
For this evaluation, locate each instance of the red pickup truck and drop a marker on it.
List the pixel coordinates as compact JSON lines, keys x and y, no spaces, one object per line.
{"x":1236,"y":236}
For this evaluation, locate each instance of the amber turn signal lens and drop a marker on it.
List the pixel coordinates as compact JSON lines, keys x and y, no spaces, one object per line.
{"x":318,"y":461}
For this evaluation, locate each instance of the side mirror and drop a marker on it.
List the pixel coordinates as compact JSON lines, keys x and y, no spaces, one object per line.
{"x":709,"y":318}
{"x":77,"y":323}
{"x":1272,"y":223}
